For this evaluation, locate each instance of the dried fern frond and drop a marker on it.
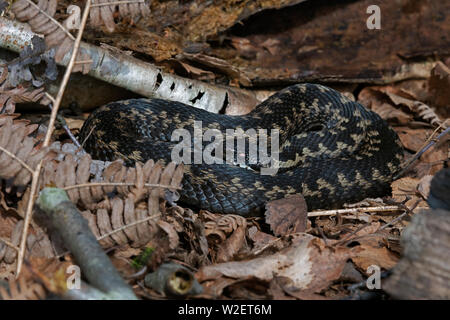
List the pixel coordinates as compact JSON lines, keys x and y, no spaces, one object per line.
{"x":123,"y":223}
{"x":123,"y":204}
{"x":40,"y":18}
{"x":137,"y":194}
{"x":218,"y":227}
{"x":19,"y":154}
{"x":116,"y":221}
{"x":427,"y":113}
{"x":10,"y":96}
{"x":102,"y":11}
{"x":22,"y":289}
{"x":144,"y":181}
{"x":38,"y":242}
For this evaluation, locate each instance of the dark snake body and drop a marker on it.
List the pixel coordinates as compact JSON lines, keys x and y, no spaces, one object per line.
{"x":333,"y":150}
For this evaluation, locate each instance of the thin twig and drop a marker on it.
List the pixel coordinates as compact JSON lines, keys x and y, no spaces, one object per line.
{"x":37,"y":172}
{"x":137,"y":274}
{"x":353,"y":210}
{"x":9,"y":244}
{"x":128,"y":226}
{"x":377,"y":232}
{"x":347,"y":237}
{"x":50,"y":97}
{"x":84,"y":61}
{"x":65,"y":127}
{"x":12,"y":155}
{"x":400,"y":217}
{"x":429,"y":143}
{"x":118,"y":184}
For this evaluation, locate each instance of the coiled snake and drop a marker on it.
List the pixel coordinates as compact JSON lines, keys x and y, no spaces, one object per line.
{"x":332,"y":150}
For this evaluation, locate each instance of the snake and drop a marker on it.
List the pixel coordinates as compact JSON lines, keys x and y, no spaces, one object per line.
{"x":331,"y":149}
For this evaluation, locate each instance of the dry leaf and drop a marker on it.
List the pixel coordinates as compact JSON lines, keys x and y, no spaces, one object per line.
{"x":218,"y":64}
{"x":404,"y":187}
{"x":197,"y":73}
{"x":424,"y":186}
{"x":231,"y":246}
{"x":407,"y":187}
{"x":376,"y":100}
{"x":439,"y":82}
{"x":287,"y":215}
{"x":262,"y":240}
{"x":413,"y":139}
{"x":173,"y":235}
{"x":370,"y":255}
{"x":309,"y":265}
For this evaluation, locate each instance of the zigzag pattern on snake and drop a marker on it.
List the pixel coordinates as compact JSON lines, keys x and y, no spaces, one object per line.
{"x":332,"y":150}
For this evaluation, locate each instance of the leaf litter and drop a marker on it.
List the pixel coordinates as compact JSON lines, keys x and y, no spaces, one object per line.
{"x":285,"y":255}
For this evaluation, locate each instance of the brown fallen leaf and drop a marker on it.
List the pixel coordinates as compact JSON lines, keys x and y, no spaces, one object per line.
{"x":197,"y":73}
{"x":73,"y":123}
{"x":414,"y":89}
{"x":400,"y":97}
{"x":263,"y":241}
{"x":407,"y":187}
{"x":375,"y":99}
{"x":244,"y":47}
{"x":218,"y":226}
{"x":379,"y":256}
{"x":439,"y":82}
{"x":252,"y":289}
{"x":231,"y":246}
{"x":413,"y":139}
{"x":397,"y":96}
{"x":424,"y":186}
{"x":404,"y":187}
{"x":276,"y":289}
{"x":309,"y":264}
{"x":218,"y":64}
{"x":213,"y":289}
{"x":272,"y":45}
{"x":298,"y":294}
{"x":171,"y":233}
{"x":288,"y":215}
{"x":226,"y":233}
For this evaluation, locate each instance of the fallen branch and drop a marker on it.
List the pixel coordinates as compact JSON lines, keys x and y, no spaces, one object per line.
{"x":68,"y":222}
{"x":37,"y":171}
{"x":137,"y":76}
{"x":353,"y":210}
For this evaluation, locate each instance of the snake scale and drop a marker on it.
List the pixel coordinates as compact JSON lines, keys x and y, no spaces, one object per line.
{"x":332,"y":150}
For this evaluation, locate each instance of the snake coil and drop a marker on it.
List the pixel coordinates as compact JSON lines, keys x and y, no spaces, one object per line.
{"x":332,"y":150}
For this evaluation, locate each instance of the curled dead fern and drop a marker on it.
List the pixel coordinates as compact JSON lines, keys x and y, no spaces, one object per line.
{"x":120,"y":203}
{"x":427,"y":113}
{"x":123,"y":222}
{"x":102,"y":11}
{"x":123,"y":205}
{"x":219,"y":227}
{"x":10,"y":96}
{"x":87,"y":182}
{"x":40,"y":18}
{"x":19,"y":153}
